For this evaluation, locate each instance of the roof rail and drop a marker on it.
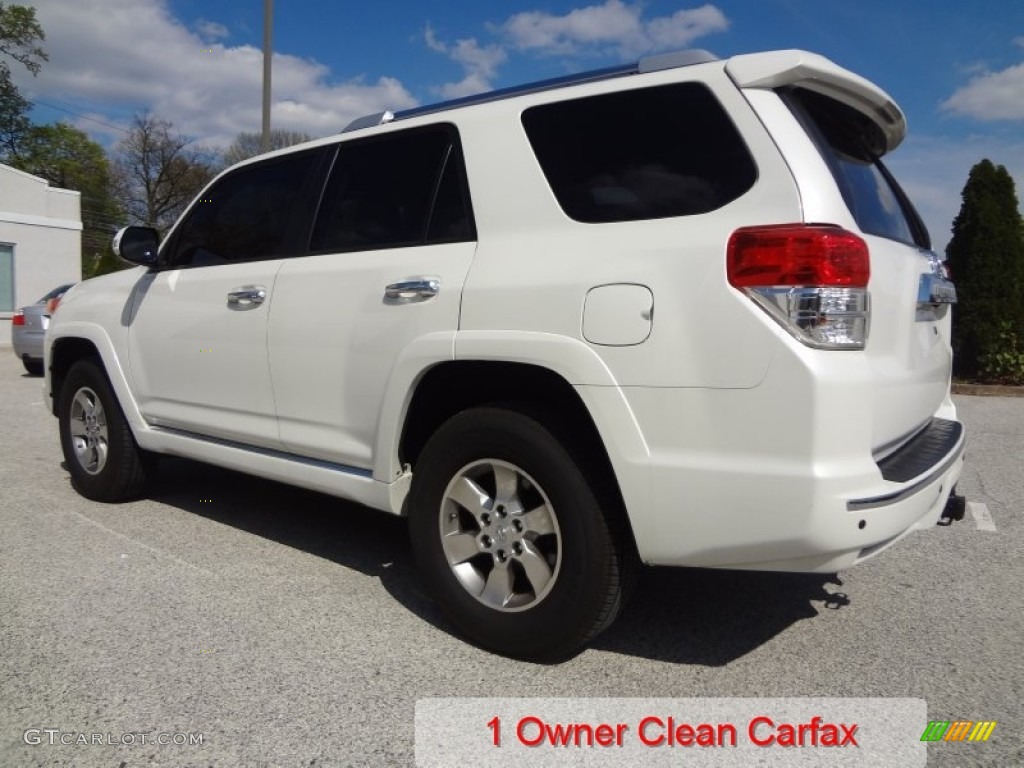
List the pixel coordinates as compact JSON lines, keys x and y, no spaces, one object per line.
{"x":647,"y":64}
{"x":368,"y":121}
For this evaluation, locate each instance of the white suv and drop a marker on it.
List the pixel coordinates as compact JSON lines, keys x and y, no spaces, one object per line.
{"x":677,"y":312}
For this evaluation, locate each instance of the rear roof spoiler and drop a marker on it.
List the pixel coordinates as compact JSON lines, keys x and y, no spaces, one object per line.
{"x":779,"y":69}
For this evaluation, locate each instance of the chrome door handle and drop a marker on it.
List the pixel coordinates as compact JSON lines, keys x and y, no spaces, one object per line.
{"x":247,"y":296}
{"x":413,"y":289}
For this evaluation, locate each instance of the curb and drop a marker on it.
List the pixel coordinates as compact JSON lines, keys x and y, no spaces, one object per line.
{"x":987,"y":390}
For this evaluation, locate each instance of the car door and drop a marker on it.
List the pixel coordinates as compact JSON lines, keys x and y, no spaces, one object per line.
{"x":197,"y":335}
{"x":389,"y":253}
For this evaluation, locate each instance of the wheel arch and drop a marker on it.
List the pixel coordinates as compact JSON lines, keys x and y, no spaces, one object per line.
{"x":540,"y":392}
{"x":450,"y":387}
{"x":83,"y":341}
{"x":100,"y":451}
{"x":64,"y":353}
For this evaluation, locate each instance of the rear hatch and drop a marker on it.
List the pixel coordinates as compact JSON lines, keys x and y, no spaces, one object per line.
{"x":852,"y":124}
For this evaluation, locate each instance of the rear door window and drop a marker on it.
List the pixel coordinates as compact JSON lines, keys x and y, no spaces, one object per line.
{"x":853,"y":145}
{"x":403,"y":189}
{"x":645,"y":153}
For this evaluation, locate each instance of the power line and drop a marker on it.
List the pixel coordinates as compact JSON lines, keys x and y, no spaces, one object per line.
{"x":81,"y":116}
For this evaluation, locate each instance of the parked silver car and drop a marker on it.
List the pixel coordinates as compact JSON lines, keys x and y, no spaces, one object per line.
{"x":28,"y":329}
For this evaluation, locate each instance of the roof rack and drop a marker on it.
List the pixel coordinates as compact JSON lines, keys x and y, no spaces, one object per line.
{"x":648,"y":64}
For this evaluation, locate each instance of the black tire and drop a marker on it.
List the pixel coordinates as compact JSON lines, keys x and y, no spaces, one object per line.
{"x":34,"y":367}
{"x":101,"y":454}
{"x":505,"y":605}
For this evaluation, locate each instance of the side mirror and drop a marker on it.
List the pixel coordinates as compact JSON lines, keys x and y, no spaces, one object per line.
{"x":137,"y":245}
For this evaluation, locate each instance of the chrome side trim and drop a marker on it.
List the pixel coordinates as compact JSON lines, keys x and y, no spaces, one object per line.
{"x":268,"y":452}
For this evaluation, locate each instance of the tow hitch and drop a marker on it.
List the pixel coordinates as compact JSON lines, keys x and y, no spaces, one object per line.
{"x":955,"y":508}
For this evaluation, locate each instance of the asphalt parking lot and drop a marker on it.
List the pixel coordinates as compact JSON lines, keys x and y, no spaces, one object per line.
{"x":288,"y":628}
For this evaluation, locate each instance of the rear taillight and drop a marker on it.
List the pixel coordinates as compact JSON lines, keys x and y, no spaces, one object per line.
{"x":812,"y":279}
{"x":52,"y":304}
{"x":18,"y":318}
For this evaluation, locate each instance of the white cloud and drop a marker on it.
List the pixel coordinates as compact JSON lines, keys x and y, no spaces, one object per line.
{"x":476,"y":58}
{"x":479,"y":63}
{"x":611,"y":23}
{"x":683,"y":27}
{"x":613,"y":26}
{"x":472,"y":84}
{"x":211,"y":30}
{"x":124,"y":55}
{"x":433,"y":41}
{"x":934,"y":169}
{"x":991,"y":95}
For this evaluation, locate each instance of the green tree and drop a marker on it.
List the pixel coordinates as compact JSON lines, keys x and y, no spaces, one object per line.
{"x":20,"y":34}
{"x":986,"y":257}
{"x":248,"y":145}
{"x":14,"y":122}
{"x":158,"y":172}
{"x":67,"y":158}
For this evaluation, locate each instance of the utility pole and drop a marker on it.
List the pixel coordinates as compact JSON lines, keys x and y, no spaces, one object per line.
{"x":268,"y":22}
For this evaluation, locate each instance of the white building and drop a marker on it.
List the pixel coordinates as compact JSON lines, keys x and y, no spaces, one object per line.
{"x":40,"y":241}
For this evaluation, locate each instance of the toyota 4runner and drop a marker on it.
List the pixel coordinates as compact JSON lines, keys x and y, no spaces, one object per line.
{"x":677,"y":312}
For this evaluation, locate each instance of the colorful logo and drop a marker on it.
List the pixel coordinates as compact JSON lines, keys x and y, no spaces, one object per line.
{"x":958,"y":730}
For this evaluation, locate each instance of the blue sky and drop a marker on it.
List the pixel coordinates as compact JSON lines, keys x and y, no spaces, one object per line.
{"x":956,"y":68}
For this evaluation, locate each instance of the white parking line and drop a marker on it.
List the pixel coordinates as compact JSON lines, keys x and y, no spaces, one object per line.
{"x":124,"y":537}
{"x":982,"y":518}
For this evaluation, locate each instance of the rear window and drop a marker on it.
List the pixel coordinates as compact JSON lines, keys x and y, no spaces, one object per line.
{"x":852,"y":144}
{"x":60,"y":290}
{"x":640,"y":154}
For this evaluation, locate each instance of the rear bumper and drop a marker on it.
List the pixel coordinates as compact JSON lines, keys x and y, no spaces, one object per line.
{"x":28,"y":344}
{"x":721,"y":498}
{"x":917,"y":464}
{"x":917,"y":505}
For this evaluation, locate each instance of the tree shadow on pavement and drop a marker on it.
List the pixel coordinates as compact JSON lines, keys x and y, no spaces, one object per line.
{"x":677,"y":615}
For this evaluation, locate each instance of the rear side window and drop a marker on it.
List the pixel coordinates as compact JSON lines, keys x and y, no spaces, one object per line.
{"x":403,"y":189}
{"x":852,"y":144}
{"x":248,"y":215}
{"x":640,"y":154}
